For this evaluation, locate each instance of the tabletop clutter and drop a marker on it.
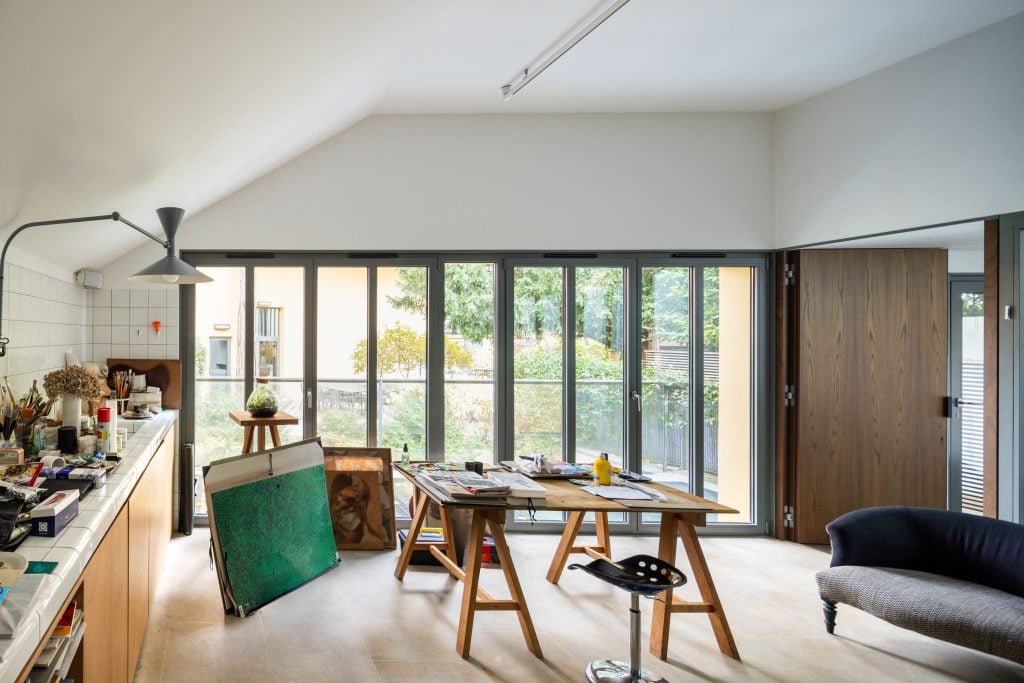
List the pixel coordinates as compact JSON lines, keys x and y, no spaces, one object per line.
{"x":512,"y":482}
{"x":58,"y":445}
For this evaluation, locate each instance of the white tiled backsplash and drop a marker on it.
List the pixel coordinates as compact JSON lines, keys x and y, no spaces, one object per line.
{"x":121,"y":323}
{"x":44,"y":317}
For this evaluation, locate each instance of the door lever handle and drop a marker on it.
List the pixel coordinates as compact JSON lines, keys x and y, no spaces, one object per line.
{"x":958,"y":402}
{"x":635,"y":396}
{"x":309,"y":398}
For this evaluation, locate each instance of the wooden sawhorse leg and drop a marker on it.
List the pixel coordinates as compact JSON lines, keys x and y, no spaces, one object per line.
{"x":665,"y":604}
{"x":602,"y":550}
{"x":422,"y":504}
{"x":474,"y":597}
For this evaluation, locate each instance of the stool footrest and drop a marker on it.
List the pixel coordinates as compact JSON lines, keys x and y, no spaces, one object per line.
{"x":680,"y":605}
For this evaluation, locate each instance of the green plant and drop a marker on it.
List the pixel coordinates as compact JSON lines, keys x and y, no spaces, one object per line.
{"x":201,"y":358}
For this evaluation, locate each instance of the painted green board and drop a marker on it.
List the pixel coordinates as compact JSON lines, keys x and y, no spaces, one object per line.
{"x":274,"y":534}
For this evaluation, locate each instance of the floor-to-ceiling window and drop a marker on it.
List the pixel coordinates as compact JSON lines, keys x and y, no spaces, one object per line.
{"x":652,"y":359}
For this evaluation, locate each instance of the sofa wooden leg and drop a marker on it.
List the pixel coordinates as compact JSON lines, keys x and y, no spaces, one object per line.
{"x":830,"y":615}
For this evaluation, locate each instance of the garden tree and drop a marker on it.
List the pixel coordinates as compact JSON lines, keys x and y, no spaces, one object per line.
{"x":469,"y":301}
{"x":973,"y":304}
{"x":400,"y":350}
{"x":537,"y":301}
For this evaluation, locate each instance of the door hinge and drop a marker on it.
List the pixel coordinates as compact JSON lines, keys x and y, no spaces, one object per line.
{"x":787,"y":516}
{"x":789,"y":274}
{"x":789,"y":395}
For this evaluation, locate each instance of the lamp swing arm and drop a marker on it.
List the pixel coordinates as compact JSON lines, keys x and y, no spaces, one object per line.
{"x":115,"y":216}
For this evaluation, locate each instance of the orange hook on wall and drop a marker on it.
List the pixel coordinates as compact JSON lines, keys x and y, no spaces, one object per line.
{"x":156,"y":327}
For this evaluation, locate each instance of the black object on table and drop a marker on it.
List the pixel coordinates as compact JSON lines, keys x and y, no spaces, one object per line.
{"x":640,"y":575}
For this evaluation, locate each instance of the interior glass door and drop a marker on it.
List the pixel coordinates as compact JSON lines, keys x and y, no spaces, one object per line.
{"x":967,"y":392}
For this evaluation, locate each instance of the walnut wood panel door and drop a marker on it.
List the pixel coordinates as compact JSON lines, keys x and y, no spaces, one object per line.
{"x":866,"y":358}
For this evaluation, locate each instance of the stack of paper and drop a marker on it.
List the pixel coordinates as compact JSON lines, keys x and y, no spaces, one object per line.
{"x":521,"y":489}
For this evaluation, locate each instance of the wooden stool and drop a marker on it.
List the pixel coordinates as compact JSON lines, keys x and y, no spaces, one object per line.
{"x":250,"y":423}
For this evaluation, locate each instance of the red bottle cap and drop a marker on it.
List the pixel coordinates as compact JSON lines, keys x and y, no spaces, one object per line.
{"x":103,"y":415}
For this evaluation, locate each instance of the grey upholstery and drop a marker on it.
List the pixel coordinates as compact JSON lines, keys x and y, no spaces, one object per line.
{"x":960,"y":612}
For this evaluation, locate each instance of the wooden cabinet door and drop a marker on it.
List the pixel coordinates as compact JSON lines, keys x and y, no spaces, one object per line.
{"x":105,"y":597}
{"x":139,"y":524}
{"x":868,"y":366}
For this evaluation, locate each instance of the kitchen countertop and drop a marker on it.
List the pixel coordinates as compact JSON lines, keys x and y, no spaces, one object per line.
{"x":75,"y":545}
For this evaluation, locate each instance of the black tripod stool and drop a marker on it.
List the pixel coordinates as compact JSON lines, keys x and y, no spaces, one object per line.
{"x":640,"y":575}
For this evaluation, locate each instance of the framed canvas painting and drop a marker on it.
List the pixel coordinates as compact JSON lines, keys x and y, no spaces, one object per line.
{"x":360,"y":492}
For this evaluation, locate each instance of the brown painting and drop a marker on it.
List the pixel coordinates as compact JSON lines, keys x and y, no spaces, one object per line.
{"x":361,"y":495}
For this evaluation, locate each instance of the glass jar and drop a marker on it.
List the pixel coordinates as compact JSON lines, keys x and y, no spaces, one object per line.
{"x":261,"y":402}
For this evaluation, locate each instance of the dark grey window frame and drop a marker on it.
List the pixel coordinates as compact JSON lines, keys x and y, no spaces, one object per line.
{"x":631,"y":261}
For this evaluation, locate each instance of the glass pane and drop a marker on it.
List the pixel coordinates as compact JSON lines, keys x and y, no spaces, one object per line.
{"x":537,"y":358}
{"x":728,"y":390}
{"x":972,"y":391}
{"x":279,"y":337}
{"x":665,"y":375}
{"x":469,"y":362}
{"x":341,"y":356}
{"x":600,"y":365}
{"x":402,"y":360}
{"x":220,"y":377}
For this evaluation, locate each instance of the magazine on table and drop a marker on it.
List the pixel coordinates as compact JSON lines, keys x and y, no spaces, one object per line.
{"x":462,"y":487}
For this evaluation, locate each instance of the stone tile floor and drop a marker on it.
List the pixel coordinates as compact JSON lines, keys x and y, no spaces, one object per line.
{"x":357,"y":623}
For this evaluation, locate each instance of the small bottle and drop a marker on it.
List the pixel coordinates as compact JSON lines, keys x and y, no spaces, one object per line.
{"x":603,"y":470}
{"x":104,"y":434}
{"x":405,"y":455}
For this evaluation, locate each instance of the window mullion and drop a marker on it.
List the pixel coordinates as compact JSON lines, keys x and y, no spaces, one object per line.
{"x":697,"y":381}
{"x":371,"y":356}
{"x":435,"y":362}
{"x":569,"y":364}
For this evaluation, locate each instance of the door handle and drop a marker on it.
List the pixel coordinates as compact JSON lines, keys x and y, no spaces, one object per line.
{"x":635,"y":396}
{"x":309,"y":398}
{"x":958,"y":402}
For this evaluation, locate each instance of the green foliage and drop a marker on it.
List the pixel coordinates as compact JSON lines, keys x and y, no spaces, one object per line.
{"x":973,"y":304}
{"x":400,"y":350}
{"x":341,"y":427}
{"x":201,"y":358}
{"x":216,"y":435}
{"x":468,"y":301}
{"x":537,"y":300}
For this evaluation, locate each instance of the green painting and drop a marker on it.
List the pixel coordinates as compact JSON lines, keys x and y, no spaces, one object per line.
{"x":274,"y":534}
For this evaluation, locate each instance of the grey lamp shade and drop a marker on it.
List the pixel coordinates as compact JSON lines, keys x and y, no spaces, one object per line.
{"x":170,"y":270}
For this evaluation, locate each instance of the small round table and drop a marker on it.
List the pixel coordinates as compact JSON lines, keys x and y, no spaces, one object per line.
{"x":251,"y":423}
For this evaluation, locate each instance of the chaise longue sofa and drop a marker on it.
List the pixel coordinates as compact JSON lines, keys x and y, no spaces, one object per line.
{"x":948,"y":575}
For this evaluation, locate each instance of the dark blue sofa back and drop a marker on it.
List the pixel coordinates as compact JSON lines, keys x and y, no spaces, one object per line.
{"x":968,"y":547}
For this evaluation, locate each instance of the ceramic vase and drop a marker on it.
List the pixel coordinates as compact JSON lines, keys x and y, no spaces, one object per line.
{"x":72,"y":407}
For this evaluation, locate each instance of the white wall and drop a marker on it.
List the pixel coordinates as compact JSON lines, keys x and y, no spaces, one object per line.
{"x":936,"y":138}
{"x":651,"y":181}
